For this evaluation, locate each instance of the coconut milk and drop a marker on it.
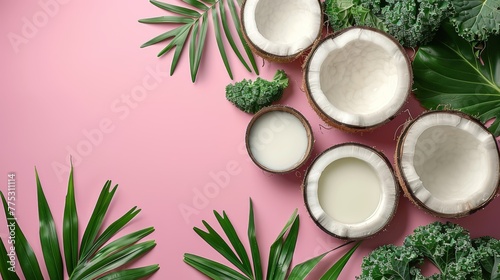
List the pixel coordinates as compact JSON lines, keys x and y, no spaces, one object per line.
{"x":278,"y":140}
{"x":349,"y":190}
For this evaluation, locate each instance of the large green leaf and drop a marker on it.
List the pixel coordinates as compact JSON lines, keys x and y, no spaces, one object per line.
{"x":48,"y":236}
{"x":448,"y":76}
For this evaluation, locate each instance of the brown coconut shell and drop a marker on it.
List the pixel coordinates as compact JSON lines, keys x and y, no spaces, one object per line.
{"x":304,"y":191}
{"x":298,"y":115}
{"x":326,"y":118}
{"x":272,"y":57}
{"x":405,"y":186}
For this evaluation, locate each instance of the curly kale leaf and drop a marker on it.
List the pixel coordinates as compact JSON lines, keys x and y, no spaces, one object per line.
{"x":391,"y":262}
{"x":476,"y":20}
{"x":449,"y":247}
{"x":488,"y":251}
{"x":251,"y":96}
{"x":411,"y":22}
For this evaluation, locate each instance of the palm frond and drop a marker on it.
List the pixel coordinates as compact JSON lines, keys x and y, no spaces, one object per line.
{"x":212,"y":269}
{"x":97,"y":260}
{"x":95,"y":222}
{"x":193,"y":20}
{"x":254,"y":246}
{"x":70,"y":227}
{"x":7,"y":267}
{"x":280,"y":254}
{"x":25,"y":255}
{"x":131,"y":274}
{"x":48,"y":236}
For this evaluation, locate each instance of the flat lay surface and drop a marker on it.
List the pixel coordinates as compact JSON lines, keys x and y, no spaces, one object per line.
{"x":77,"y":86}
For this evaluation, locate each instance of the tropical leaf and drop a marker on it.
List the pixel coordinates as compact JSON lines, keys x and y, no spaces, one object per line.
{"x":48,"y":236}
{"x":97,"y":260}
{"x":280,"y":256}
{"x":276,"y":247}
{"x":7,"y":267}
{"x":25,"y":255}
{"x":301,"y":270}
{"x":334,"y":271}
{"x":212,"y":269}
{"x":285,"y":253}
{"x":254,"y":246}
{"x":70,"y":227}
{"x":95,"y":222}
{"x":131,"y":274}
{"x":447,"y":75}
{"x":193,"y":20}
{"x":231,"y":234}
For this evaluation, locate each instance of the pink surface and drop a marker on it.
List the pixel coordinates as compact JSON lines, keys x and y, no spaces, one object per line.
{"x":74,"y":75}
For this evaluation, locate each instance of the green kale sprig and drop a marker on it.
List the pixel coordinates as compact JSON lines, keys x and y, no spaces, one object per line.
{"x":448,"y":246}
{"x":251,"y":96}
{"x":411,"y":22}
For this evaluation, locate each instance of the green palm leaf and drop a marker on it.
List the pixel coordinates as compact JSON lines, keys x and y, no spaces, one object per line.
{"x":70,"y":227}
{"x":216,"y":241}
{"x":111,"y":231}
{"x":5,"y":272}
{"x":282,"y":250}
{"x":280,"y":255}
{"x":193,"y":20}
{"x":212,"y":269}
{"x":231,"y":234}
{"x":96,"y":259}
{"x":48,"y":236}
{"x":254,"y":246}
{"x":131,"y":274}
{"x":301,"y":270}
{"x":95,"y":222}
{"x":334,"y":272}
{"x":100,"y":266}
{"x":25,"y":255}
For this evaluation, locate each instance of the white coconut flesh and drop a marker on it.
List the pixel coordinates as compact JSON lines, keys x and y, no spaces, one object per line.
{"x":360,"y":77}
{"x":351,"y":191}
{"x":450,"y":164}
{"x":282,"y":27}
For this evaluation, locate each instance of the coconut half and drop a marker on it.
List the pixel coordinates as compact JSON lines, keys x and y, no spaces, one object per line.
{"x":281,"y":30}
{"x":358,"y":78}
{"x":350,"y":191}
{"x":448,"y":164}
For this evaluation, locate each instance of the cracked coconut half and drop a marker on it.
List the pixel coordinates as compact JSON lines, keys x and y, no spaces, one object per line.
{"x":350,"y":191}
{"x":281,"y":30}
{"x":448,"y":164}
{"x":358,"y":78}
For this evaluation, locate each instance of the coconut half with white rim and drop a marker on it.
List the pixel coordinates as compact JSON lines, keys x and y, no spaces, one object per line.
{"x":448,"y":163}
{"x":281,"y":30}
{"x":350,"y":191}
{"x":358,"y":78}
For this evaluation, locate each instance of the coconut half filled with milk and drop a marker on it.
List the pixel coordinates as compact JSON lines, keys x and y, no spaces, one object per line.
{"x":350,"y":191}
{"x":279,"y":139}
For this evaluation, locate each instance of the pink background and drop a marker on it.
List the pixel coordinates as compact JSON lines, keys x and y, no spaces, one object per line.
{"x":73,"y":74}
